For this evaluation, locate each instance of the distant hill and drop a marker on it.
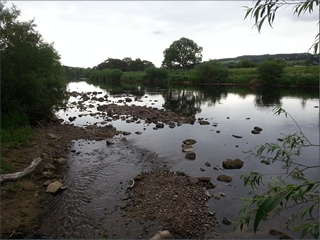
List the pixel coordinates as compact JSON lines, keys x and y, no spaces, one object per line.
{"x":291,"y":58}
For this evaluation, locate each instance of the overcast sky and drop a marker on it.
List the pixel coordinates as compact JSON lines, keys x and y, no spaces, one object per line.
{"x":85,"y":33}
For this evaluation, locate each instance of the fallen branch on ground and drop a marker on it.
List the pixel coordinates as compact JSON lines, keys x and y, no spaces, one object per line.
{"x":17,"y":175}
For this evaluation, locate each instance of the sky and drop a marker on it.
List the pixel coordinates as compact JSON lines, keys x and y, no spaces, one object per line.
{"x":85,"y":33}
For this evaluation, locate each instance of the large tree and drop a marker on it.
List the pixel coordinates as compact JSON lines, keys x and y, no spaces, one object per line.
{"x":182,"y":54}
{"x":32,"y":78}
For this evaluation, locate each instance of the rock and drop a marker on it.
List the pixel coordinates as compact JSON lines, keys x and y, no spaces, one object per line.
{"x":204,"y":179}
{"x":257,"y":128}
{"x":204,"y":122}
{"x":126,"y":133}
{"x":236,"y":136}
{"x":128,"y":99}
{"x":48,"y":166}
{"x":172,"y":125}
{"x":224,"y":178}
{"x":159,"y":125}
{"x":208,"y":164}
{"x":162,"y":235}
{"x":216,"y":196}
{"x":47,"y":174}
{"x":202,"y":169}
{"x":138,"y":132}
{"x":232,"y":164}
{"x":109,"y":142}
{"x":226,"y":221}
{"x":61,"y":160}
{"x":189,"y":141}
{"x":187,"y":148}
{"x":51,"y":136}
{"x":190,"y":155}
{"x":54,"y":187}
{"x":255,"y":131}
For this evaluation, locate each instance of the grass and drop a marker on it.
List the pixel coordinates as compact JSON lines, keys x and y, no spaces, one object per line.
{"x":16,"y":137}
{"x":11,"y":186}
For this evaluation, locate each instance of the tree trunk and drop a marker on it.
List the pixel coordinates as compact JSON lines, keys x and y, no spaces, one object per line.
{"x":17,"y":175}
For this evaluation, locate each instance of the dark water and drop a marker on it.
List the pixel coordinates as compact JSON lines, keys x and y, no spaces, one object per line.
{"x":99,"y":175}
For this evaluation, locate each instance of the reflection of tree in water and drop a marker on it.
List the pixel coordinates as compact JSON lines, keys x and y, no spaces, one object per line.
{"x":189,"y":101}
{"x":268,"y":97}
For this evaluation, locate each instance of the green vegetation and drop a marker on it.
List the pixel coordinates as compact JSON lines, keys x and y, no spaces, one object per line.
{"x":270,"y":71}
{"x":211,"y":72}
{"x":32,"y":79}
{"x":156,"y":74}
{"x":290,"y":188}
{"x":182,"y":54}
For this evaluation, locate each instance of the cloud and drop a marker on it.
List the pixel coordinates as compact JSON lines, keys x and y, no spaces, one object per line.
{"x":88,"y":32}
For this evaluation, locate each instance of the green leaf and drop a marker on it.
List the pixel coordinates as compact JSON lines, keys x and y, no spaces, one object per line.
{"x":261,"y":213}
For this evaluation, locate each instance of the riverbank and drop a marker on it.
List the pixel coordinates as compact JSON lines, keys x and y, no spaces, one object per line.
{"x":25,"y":201}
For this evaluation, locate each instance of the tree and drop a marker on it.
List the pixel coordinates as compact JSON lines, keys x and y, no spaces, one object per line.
{"x":211,"y":71}
{"x":270,"y":71}
{"x":266,"y":10}
{"x":32,"y":80}
{"x":183,"y":53}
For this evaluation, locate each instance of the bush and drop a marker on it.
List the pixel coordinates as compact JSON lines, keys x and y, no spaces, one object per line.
{"x":32,"y":78}
{"x":211,"y":72}
{"x":110,"y":75}
{"x":133,"y":76}
{"x":156,"y":74}
{"x":270,"y":71}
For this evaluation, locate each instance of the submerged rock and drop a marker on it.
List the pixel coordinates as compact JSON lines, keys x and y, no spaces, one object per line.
{"x":190,"y":155}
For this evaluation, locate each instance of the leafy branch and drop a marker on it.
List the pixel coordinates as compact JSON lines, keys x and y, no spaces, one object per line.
{"x":281,"y":195}
{"x":266,"y":11}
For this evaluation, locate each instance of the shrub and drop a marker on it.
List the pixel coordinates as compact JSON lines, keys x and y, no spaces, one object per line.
{"x":154,"y":74}
{"x":211,"y":71}
{"x":270,"y":71}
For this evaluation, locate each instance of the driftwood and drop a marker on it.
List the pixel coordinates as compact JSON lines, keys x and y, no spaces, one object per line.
{"x":17,"y":175}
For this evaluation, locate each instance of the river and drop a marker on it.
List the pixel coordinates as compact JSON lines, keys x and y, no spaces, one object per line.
{"x":97,"y":176}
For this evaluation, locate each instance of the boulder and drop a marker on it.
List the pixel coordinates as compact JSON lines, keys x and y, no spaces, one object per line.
{"x":232,"y":164}
{"x":224,"y":178}
{"x":54,"y":187}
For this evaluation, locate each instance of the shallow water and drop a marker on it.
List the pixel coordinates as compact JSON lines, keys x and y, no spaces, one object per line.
{"x":98,"y":175}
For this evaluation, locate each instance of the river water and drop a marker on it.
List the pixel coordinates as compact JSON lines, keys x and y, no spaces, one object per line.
{"x":97,"y":175}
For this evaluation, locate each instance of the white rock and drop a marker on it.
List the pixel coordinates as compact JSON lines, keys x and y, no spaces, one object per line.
{"x":162,"y":235}
{"x":54,"y":187}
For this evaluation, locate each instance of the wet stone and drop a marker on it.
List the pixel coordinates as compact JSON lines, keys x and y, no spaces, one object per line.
{"x":190,"y":155}
{"x":224,"y":178}
{"x":232,"y":164}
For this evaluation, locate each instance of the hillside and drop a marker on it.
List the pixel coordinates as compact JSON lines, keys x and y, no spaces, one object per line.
{"x":290,"y":58}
